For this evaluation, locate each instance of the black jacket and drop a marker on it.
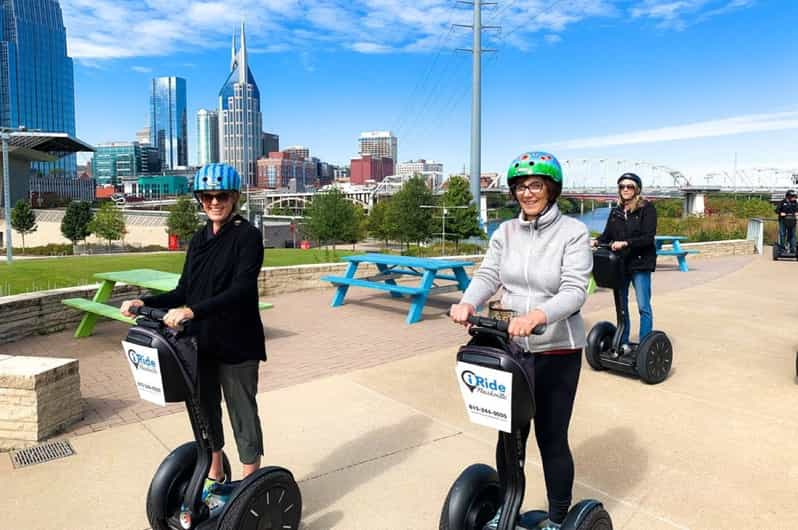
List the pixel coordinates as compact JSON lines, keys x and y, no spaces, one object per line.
{"x":790,"y":209}
{"x":219,"y":284}
{"x":638,"y":228}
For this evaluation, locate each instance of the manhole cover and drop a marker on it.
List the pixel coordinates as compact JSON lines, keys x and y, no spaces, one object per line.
{"x":41,"y":453}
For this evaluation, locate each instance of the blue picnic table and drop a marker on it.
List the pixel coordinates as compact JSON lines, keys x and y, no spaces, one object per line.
{"x":675,"y":250}
{"x":392,"y":267}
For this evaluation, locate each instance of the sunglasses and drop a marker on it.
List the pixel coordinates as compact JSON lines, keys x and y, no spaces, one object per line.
{"x":220,"y":197}
{"x":627,"y":187}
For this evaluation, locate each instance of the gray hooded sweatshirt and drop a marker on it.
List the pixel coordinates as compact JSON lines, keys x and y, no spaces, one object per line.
{"x":543,"y":265}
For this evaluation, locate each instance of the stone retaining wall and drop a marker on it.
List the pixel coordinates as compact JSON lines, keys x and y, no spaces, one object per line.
{"x":712,"y":249}
{"x":42,"y":313}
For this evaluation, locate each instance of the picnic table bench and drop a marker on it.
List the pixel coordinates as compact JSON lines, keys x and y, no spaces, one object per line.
{"x":392,"y":268}
{"x":675,"y":250}
{"x":154,"y":280}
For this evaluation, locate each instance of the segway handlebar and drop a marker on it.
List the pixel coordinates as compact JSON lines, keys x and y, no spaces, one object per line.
{"x":499,"y":325}
{"x":148,"y":312}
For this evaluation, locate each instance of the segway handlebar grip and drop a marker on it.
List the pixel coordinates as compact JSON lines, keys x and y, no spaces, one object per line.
{"x":500,"y":325}
{"x":148,"y":312}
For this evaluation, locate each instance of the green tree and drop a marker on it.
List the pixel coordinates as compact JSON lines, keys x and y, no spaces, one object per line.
{"x":413,"y":222}
{"x":360,"y":225}
{"x":460,"y":222}
{"x":379,"y":222}
{"x":23,"y":220}
{"x":183,"y":220}
{"x":330,"y":218}
{"x":75,"y":224}
{"x":109,"y":223}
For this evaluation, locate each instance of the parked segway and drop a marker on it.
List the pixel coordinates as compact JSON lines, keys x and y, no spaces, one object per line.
{"x":497,"y":383}
{"x":781,"y":249}
{"x":651,"y":359}
{"x":164,"y":364}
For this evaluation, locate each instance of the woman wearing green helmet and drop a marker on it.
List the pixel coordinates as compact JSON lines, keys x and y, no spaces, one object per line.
{"x":542,"y":261}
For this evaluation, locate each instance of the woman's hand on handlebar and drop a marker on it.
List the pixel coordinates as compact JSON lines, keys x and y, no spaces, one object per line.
{"x":460,"y":313}
{"x":177,"y":316}
{"x":619,"y":245}
{"x":127,"y":304}
{"x":522,"y":326}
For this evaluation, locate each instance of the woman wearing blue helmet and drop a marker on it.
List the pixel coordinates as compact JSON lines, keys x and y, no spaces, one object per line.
{"x":218,"y":293}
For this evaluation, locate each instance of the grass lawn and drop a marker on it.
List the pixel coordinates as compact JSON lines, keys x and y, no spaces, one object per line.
{"x":27,"y":275}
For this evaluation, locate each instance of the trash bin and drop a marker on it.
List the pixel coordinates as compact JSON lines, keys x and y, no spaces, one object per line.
{"x":305,"y":245}
{"x":174,"y":242}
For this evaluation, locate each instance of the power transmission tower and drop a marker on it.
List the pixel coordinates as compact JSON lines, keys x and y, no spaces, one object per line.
{"x":476,"y":98}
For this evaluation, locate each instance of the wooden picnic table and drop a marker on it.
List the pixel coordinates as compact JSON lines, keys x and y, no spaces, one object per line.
{"x":675,"y":250}
{"x":154,"y":280}
{"x":392,"y":267}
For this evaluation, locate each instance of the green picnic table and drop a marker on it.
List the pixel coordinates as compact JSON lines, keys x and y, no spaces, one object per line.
{"x":154,"y":280}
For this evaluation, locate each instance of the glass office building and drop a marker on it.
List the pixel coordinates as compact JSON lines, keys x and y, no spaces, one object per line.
{"x":207,"y":137}
{"x":36,"y":77}
{"x":169,"y":120}
{"x":117,"y":161}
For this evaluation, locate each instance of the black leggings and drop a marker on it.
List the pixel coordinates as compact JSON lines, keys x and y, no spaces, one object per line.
{"x":556,"y":377}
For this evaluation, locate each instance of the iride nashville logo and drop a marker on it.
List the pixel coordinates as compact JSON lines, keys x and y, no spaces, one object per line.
{"x":141,"y":362}
{"x":482,"y":385}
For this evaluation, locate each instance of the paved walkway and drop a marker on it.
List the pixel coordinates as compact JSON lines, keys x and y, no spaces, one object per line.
{"x":306,"y":339}
{"x":364,"y":409}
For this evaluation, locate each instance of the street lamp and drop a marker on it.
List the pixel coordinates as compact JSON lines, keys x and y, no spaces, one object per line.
{"x":443,"y":217}
{"x":7,"y":195}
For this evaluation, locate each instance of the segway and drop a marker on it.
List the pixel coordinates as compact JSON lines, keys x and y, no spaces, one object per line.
{"x":497,"y":383}
{"x":781,"y":248}
{"x":651,"y":359}
{"x":165,"y":366}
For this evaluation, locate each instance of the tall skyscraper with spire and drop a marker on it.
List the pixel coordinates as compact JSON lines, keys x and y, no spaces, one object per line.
{"x":240,"y":122}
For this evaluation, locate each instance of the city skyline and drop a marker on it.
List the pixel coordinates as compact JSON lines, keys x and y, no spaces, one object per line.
{"x":637,"y":80}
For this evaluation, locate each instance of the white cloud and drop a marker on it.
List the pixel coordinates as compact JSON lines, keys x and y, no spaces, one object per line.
{"x":553,"y":38}
{"x":775,"y":121}
{"x":370,"y":47}
{"x":678,"y":14}
{"x":105,"y":29}
{"x":141,"y":69}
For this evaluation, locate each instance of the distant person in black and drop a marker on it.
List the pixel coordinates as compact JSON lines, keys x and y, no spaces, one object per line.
{"x":630,"y":229}
{"x":218,"y":292}
{"x":787,"y":210}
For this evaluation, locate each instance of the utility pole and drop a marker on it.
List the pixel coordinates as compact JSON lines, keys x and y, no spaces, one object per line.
{"x":476,"y":99}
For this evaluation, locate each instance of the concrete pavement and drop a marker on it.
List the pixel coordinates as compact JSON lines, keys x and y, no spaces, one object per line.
{"x":365,"y":411}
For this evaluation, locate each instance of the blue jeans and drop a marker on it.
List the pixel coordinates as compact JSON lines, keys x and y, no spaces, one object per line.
{"x":642,"y":284}
{"x":787,"y":237}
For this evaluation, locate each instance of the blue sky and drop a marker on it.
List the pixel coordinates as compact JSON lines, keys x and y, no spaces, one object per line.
{"x":688,"y":84}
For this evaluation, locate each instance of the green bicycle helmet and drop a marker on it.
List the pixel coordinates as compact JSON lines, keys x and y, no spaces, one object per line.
{"x":535,"y":163}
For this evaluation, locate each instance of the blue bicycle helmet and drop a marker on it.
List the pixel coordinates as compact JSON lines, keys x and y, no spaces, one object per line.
{"x":217,"y":177}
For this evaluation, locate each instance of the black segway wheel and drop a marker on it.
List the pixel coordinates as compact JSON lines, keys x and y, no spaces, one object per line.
{"x":654,"y":358}
{"x":473,"y":499}
{"x":599,"y":341}
{"x":272,"y":500}
{"x":775,"y":251}
{"x":596,"y":519}
{"x":169,"y":484}
{"x":588,"y":514}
